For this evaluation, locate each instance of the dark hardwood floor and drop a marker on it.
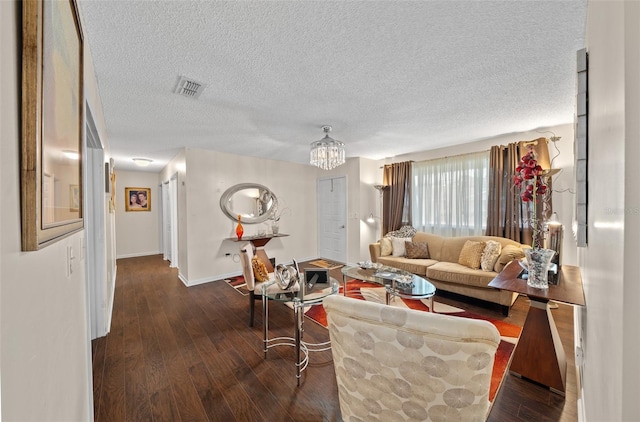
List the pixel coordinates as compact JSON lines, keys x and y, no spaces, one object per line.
{"x":187,"y":354}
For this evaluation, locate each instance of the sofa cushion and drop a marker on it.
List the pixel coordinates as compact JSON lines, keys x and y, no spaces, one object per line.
{"x":415,"y":266}
{"x":398,"y":245}
{"x":417,"y":250}
{"x":490,"y":255}
{"x":508,"y":254}
{"x":471,"y":254}
{"x":460,"y":274}
{"x":385,"y":246}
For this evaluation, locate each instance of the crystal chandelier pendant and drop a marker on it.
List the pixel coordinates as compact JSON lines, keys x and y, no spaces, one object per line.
{"x":327,"y":153}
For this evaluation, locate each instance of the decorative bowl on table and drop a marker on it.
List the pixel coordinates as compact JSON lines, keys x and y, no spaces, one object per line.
{"x":365,"y":265}
{"x":404,"y":281}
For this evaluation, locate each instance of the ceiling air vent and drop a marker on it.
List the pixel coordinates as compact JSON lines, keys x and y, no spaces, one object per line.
{"x":189,"y":88}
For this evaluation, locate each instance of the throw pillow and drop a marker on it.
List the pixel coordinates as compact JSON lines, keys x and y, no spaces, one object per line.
{"x":404,"y":231}
{"x":471,"y":253}
{"x":259,"y":270}
{"x":385,"y":246}
{"x":508,"y":254}
{"x":417,"y":250}
{"x":490,"y":255}
{"x":398,"y":245}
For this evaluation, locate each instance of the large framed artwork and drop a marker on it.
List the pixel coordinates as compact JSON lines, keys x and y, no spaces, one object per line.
{"x":52,"y":122}
{"x":137,"y":199}
{"x":582,"y":147}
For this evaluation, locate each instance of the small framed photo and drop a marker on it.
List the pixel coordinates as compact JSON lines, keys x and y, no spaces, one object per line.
{"x":137,"y":199}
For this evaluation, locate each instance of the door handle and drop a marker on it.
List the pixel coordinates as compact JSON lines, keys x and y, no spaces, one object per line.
{"x":341,"y":227}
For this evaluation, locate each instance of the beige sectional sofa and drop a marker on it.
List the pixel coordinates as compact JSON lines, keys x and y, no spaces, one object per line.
{"x":443,"y":270}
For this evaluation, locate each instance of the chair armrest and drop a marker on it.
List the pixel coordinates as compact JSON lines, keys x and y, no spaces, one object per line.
{"x":374,"y":251}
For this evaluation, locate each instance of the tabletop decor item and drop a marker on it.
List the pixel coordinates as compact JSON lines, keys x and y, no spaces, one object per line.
{"x":239,"y":228}
{"x":276,"y":214}
{"x":287,"y":275}
{"x":529,"y":180}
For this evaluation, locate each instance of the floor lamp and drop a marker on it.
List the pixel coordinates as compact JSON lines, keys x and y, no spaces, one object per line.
{"x":381,"y":188}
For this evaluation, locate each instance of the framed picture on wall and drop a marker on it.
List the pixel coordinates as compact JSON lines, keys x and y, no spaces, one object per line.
{"x":52,"y":122}
{"x":137,"y":199}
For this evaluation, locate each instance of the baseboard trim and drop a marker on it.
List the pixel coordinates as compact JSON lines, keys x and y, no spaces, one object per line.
{"x":135,"y":255}
{"x":113,"y":295}
{"x":577,"y":330}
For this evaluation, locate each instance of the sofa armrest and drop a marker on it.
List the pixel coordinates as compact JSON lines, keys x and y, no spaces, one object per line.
{"x":374,"y":251}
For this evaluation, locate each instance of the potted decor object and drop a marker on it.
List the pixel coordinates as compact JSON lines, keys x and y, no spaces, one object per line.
{"x":529,"y":179}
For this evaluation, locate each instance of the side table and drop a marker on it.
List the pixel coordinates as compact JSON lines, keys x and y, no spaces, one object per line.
{"x":539,"y":355}
{"x":300,"y":300}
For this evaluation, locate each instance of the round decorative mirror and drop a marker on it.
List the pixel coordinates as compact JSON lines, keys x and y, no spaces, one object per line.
{"x":253,"y":202}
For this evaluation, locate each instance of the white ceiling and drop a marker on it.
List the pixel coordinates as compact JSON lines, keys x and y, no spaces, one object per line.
{"x":391,"y":77}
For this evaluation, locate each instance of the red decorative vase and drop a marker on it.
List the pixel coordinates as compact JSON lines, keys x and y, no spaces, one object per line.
{"x":239,"y":229}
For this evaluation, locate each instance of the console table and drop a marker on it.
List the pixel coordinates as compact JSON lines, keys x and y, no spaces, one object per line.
{"x":539,"y":355}
{"x":258,"y":243}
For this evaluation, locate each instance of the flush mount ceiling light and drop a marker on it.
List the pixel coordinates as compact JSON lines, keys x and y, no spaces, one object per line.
{"x":327,"y":153}
{"x":142,"y":162}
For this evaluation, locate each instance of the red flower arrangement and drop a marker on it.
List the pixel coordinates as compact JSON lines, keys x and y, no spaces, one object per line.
{"x":527,"y":177}
{"x":530,"y":182}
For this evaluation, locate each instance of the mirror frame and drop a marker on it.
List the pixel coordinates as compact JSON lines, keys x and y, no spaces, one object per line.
{"x":46,"y":220}
{"x":224,"y":201}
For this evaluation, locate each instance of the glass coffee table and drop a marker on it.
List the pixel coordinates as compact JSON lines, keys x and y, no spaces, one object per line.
{"x":300,"y":300}
{"x":397,"y":283}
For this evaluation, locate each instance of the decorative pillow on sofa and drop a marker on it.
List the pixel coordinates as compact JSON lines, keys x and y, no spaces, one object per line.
{"x":490,"y":255}
{"x":404,"y":231}
{"x":417,"y":250}
{"x":471,"y":253}
{"x":385,"y":246}
{"x":508,"y":254}
{"x":259,"y":270}
{"x":398,"y":245}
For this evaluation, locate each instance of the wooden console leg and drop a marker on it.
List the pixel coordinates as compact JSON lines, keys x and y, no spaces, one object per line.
{"x":539,"y":355}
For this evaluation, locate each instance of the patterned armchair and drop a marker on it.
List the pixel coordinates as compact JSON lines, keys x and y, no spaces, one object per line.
{"x":396,"y":364}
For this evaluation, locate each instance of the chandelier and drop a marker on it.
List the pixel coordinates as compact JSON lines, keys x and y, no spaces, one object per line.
{"x":327,"y":153}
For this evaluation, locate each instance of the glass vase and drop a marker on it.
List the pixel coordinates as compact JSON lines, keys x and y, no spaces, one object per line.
{"x":538,"y":261}
{"x":239,"y":229}
{"x":275,"y":227}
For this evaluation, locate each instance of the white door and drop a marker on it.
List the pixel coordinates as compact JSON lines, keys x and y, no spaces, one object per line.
{"x":332,"y":217}
{"x":166,"y":222}
{"x":173,"y":211}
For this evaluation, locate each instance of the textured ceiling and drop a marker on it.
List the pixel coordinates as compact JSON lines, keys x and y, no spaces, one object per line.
{"x":390,"y":77}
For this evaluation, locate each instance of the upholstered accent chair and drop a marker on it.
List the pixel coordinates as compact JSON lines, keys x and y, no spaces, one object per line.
{"x":246,"y":255}
{"x":397,"y":364}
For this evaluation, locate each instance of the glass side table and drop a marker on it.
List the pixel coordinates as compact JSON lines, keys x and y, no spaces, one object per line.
{"x":300,"y":300}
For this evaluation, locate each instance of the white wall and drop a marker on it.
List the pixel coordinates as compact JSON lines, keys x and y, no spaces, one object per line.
{"x":137,"y":232}
{"x":369,"y":176}
{"x":95,"y":104}
{"x":609,"y":263}
{"x":44,"y":359}
{"x":208,"y":174}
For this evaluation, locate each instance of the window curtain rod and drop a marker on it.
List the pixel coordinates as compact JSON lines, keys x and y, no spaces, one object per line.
{"x":408,"y":161}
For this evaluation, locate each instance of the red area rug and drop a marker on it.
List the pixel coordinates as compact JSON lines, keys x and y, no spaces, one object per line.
{"x":509,"y":333}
